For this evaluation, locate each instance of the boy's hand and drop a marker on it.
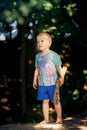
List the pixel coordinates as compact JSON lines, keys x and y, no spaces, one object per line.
{"x":61,"y":81}
{"x":35,"y":85}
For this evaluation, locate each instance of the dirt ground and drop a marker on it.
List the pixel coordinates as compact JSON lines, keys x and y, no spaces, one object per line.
{"x":70,"y":123}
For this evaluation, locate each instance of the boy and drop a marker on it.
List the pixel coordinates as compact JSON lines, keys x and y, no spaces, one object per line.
{"x":48,"y":71}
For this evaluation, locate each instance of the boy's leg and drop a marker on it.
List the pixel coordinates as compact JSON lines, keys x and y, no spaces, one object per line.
{"x":58,"y":110}
{"x":45,"y":109}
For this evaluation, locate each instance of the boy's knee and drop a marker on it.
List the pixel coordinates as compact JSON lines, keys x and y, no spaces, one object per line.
{"x":46,"y":101}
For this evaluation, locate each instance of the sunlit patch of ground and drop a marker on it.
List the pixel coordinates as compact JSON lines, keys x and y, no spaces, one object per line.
{"x":70,"y":123}
{"x":49,"y":126}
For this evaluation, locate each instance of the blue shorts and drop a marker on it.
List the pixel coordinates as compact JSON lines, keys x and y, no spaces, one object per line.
{"x":46,"y":92}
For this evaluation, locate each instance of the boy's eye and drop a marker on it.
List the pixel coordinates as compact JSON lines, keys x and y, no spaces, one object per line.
{"x":42,"y":40}
{"x":38,"y":42}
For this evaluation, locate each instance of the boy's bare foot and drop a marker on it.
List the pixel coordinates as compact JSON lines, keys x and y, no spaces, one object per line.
{"x":59,"y":121}
{"x":43,"y":122}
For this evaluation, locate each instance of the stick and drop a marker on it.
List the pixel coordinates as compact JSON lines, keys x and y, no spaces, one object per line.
{"x":56,"y":97}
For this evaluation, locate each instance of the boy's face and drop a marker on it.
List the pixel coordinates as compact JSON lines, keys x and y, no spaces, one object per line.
{"x":43,"y":43}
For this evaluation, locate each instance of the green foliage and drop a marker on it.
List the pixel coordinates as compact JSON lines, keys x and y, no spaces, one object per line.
{"x":53,"y":16}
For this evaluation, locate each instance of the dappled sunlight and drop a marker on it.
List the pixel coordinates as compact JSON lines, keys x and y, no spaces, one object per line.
{"x":7,"y":108}
{"x":75,"y":94}
{"x":47,"y":5}
{"x":85,"y":87}
{"x":69,"y":118}
{"x":53,"y":20}
{"x":38,"y":113}
{"x":21,"y":21}
{"x":77,"y":119}
{"x":34,"y":109}
{"x":1,"y":85}
{"x":30,"y":62}
{"x":76,"y":122}
{"x":24,"y":8}
{"x":18,"y":104}
{"x":4,"y":100}
{"x":51,"y":110}
{"x":71,"y":8}
{"x":48,"y":28}
{"x":8,"y":31}
{"x":49,"y":126}
{"x":7,"y":92}
{"x":9,"y":99}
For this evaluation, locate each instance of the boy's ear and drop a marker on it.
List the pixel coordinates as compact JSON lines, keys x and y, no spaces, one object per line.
{"x":50,"y":43}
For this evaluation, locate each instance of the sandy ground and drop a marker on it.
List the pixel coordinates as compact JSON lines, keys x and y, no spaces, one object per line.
{"x":70,"y":123}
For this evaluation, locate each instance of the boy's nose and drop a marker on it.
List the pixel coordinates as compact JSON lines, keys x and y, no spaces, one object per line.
{"x":40,"y":42}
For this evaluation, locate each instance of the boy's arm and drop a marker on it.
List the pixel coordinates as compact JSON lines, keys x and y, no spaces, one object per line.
{"x":36,"y":73}
{"x":61,"y":72}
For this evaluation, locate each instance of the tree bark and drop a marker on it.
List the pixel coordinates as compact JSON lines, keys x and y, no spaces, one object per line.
{"x":22,"y":69}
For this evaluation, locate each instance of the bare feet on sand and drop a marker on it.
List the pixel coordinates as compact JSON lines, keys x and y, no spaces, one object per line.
{"x":43,"y":122}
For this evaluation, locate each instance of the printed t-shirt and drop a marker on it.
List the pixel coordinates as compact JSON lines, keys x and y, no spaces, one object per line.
{"x":47,"y":64}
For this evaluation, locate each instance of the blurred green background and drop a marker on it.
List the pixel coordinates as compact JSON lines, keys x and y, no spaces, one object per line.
{"x":20,"y":22}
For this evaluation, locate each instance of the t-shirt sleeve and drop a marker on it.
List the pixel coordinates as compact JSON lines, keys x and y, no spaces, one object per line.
{"x":57,"y":60}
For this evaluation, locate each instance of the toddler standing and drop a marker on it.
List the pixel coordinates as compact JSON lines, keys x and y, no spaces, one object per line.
{"x":47,"y":72}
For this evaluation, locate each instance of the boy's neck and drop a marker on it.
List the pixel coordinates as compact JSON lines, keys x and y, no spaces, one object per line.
{"x":45,"y":51}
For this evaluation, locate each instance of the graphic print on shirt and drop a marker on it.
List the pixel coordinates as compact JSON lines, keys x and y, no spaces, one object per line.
{"x":47,"y":69}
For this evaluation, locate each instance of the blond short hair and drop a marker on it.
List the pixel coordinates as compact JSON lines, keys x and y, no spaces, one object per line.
{"x":45,"y":34}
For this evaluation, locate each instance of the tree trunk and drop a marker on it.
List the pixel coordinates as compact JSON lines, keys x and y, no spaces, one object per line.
{"x":22,"y":69}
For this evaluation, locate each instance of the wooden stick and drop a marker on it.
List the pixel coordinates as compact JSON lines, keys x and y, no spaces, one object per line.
{"x":56,"y":97}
